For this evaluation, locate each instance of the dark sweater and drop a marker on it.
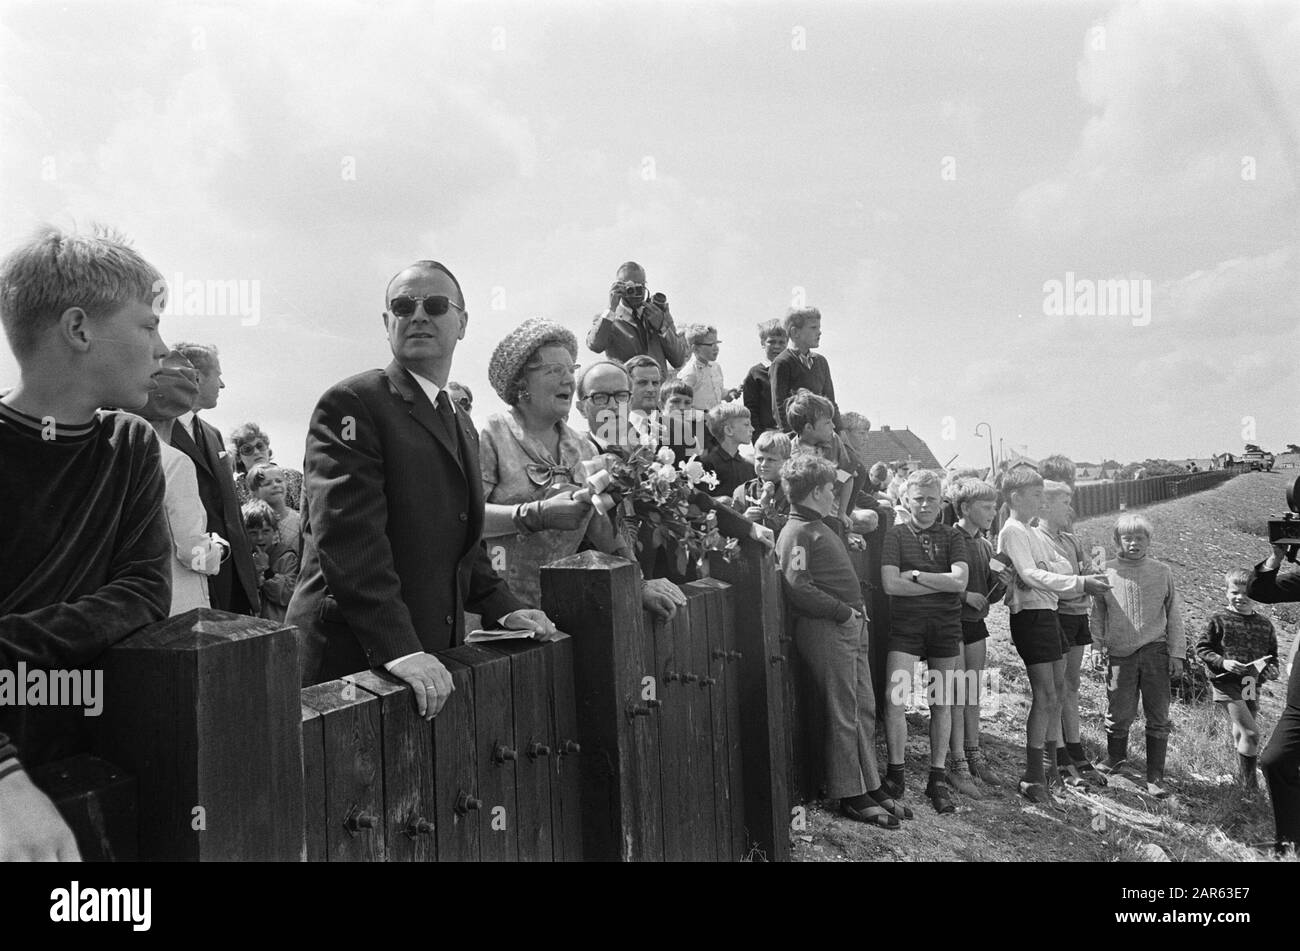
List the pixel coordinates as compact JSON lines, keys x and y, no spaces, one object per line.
{"x":732,"y":471}
{"x":756,"y":394}
{"x":819,"y":578}
{"x":1240,"y":637}
{"x":788,"y":375}
{"x":1267,"y":588}
{"x":86,"y":555}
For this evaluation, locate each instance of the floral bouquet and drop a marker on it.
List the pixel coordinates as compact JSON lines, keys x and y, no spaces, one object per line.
{"x":656,"y":496}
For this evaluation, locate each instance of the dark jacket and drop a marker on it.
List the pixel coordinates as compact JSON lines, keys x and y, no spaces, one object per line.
{"x":234,"y":588}
{"x":392,"y":525}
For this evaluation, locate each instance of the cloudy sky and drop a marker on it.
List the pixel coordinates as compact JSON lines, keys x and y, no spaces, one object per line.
{"x":922,"y":172}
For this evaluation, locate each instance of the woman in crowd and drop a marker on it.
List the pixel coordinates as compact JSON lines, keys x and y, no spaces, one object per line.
{"x":531,"y":460}
{"x":253,"y":447}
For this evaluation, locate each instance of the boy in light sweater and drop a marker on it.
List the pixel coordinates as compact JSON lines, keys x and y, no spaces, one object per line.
{"x":1139,"y":625}
{"x":1042,"y":577}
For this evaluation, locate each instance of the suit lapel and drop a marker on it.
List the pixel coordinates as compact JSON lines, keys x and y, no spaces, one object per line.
{"x":422,"y":411}
{"x":182,"y":440}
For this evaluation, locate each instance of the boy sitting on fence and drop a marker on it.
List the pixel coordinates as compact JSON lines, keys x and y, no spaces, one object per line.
{"x":1139,"y":625}
{"x":923,"y":567}
{"x":1042,"y":576}
{"x":831,"y":636}
{"x":975,"y":503}
{"x":1239,"y":648}
{"x":729,"y":423}
{"x":762,"y":499}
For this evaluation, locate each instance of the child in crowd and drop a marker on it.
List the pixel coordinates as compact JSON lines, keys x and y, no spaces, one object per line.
{"x":1042,"y":576}
{"x":811,"y":419}
{"x":1239,"y":649}
{"x":730,"y":426}
{"x":1140,"y":627}
{"x":798,"y":368}
{"x":975,"y":503}
{"x":681,"y":426}
{"x":756,"y":390}
{"x":831,"y":635}
{"x":924,"y":569}
{"x":702,"y":372}
{"x":277,"y":564}
{"x":762,"y":498}
{"x":267,"y":481}
{"x":1072,"y":763}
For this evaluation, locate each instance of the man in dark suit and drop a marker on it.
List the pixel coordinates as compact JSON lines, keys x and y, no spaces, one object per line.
{"x":235,"y":587}
{"x":393,"y":509}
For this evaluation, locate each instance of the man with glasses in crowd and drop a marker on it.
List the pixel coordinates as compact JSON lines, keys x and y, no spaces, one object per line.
{"x":393,"y":508}
{"x":634,"y":324}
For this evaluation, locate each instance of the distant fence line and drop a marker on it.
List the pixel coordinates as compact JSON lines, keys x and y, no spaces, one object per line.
{"x":1099,"y":498}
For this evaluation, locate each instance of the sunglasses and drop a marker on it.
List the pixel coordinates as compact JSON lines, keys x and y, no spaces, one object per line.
{"x":435,"y":305}
{"x":250,"y":448}
{"x":602,"y":399}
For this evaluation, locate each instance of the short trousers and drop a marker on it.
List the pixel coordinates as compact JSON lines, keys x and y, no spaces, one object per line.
{"x":972,"y":632}
{"x":1229,"y":690}
{"x":930,"y":637}
{"x":1037,"y":636}
{"x":1074,"y":631}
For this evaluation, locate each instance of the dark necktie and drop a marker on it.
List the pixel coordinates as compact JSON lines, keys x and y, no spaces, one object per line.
{"x":196,"y":431}
{"x":447,"y":415}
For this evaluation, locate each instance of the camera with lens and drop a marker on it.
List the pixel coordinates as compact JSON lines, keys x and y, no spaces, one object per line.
{"x":1284,"y":530}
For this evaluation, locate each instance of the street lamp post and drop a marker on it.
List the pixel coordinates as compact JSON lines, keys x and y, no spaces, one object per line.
{"x":993,"y":468}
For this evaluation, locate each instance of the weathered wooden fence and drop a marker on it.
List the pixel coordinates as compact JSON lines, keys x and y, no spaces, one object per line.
{"x":1097,"y":498}
{"x":632,"y":739}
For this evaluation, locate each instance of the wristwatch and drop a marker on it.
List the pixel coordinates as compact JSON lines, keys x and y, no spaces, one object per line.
{"x":916,"y":576}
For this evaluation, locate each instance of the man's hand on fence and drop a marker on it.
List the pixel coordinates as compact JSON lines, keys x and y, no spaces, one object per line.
{"x":31,"y":829}
{"x":429,"y":681}
{"x":530,"y":619}
{"x":661,"y":597}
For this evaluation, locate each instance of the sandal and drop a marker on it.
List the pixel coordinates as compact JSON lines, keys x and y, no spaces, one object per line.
{"x":1070,"y":776}
{"x":874,"y":815}
{"x":1035,"y":792}
{"x":895,"y":808}
{"x":1089,"y":775}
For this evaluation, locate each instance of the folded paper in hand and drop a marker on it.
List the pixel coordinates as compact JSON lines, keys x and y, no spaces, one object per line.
{"x":499,"y":634}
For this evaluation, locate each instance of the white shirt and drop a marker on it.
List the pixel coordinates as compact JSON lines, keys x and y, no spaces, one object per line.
{"x":194,"y":553}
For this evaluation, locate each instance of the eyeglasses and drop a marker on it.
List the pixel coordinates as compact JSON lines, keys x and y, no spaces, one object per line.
{"x":555,"y":370}
{"x":435,"y":305}
{"x":252,"y":448}
{"x":602,"y":399}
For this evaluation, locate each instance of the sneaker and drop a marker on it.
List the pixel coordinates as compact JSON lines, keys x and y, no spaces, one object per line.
{"x":959,"y":777}
{"x":980,"y":769}
{"x":940,"y":798}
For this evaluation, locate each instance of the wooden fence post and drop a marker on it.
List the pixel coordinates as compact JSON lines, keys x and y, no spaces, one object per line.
{"x":203,"y":709}
{"x":596,"y":598}
{"x":759,"y":619}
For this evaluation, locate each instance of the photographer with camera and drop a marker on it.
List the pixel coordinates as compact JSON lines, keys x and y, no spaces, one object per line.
{"x":636,"y":323}
{"x":1280,"y":761}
